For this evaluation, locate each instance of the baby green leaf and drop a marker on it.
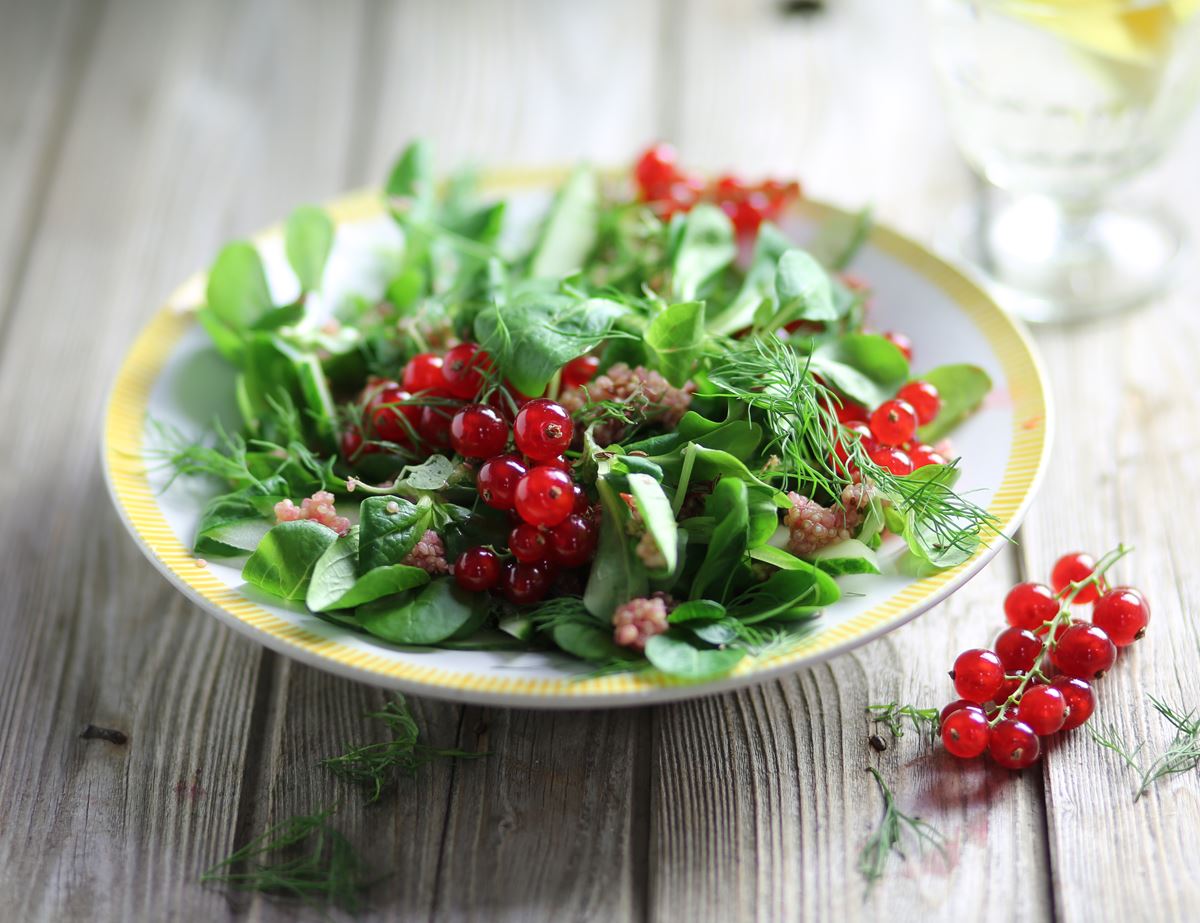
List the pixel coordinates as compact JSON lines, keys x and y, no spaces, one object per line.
{"x":674,"y":654}
{"x":412,"y":175}
{"x":389,"y":529}
{"x":237,"y":286}
{"x":569,"y":234}
{"x":656,"y":513}
{"x":676,"y":336}
{"x":962,"y":388}
{"x":308,"y":238}
{"x":587,"y":641}
{"x":865,"y":367}
{"x":697,"y":610}
{"x":284,"y":561}
{"x":438,"y":612}
{"x":705,"y":247}
{"x":757,"y":287}
{"x":234,"y":523}
{"x":432,"y":474}
{"x":335,"y":584}
{"x":730,"y":536}
{"x":802,"y":290}
{"x":617,"y":573}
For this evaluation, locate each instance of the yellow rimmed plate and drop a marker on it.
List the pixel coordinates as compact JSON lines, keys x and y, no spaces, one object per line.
{"x":172,"y":376}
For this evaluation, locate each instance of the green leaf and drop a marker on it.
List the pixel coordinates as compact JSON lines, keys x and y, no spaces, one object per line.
{"x":728,"y":506}
{"x":432,"y":474}
{"x":308,"y":238}
{"x":440,"y":611}
{"x":676,"y":337}
{"x":757,"y":287}
{"x":617,"y":574}
{"x":962,"y":388}
{"x":535,"y":335}
{"x":656,"y":513}
{"x":673,"y":654}
{"x":335,"y":584}
{"x":389,"y":528}
{"x":587,"y":642}
{"x":237,"y":286}
{"x":802,"y":291}
{"x":284,"y":561}
{"x":846,"y":557}
{"x":569,"y":234}
{"x":705,"y":247}
{"x":864,"y":367}
{"x":786,"y":595}
{"x":840,"y":238}
{"x":226,"y":339}
{"x":697,"y":610}
{"x":235,"y":523}
{"x":412,"y":175}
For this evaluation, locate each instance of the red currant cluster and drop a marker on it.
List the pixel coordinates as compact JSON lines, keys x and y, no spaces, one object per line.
{"x":888,"y":432}
{"x":1037,"y":679}
{"x":670,"y":189}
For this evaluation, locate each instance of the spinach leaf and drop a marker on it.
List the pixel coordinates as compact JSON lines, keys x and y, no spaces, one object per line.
{"x":786,"y":595}
{"x":440,"y":611}
{"x":432,"y":474}
{"x":617,"y":573}
{"x":412,"y":178}
{"x":676,"y":337}
{"x":962,"y":389}
{"x":308,"y":238}
{"x":238,"y":294}
{"x":656,"y":513}
{"x":536,"y":334}
{"x":675,"y":655}
{"x":697,"y":610}
{"x":569,"y":234}
{"x":757,"y":287}
{"x":719,"y":633}
{"x":704,"y":248}
{"x":802,"y":292}
{"x":389,"y":528}
{"x":764,"y":514}
{"x":840,"y":238}
{"x":587,"y":642}
{"x":335,"y":584}
{"x":225,"y":338}
{"x":235,"y":523}
{"x":284,"y":561}
{"x":730,"y":537}
{"x":865,"y":367}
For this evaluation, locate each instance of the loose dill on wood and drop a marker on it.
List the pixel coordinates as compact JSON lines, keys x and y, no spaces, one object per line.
{"x":892,"y":716}
{"x":890,"y":834}
{"x":1180,"y":755}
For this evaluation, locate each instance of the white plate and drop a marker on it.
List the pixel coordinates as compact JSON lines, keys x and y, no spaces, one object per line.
{"x":173,"y":376}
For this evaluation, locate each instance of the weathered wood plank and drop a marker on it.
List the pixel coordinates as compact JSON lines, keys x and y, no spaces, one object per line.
{"x":192,"y":121}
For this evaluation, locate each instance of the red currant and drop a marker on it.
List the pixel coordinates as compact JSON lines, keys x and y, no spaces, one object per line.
{"x":477,"y":569}
{"x":1030,"y":605}
{"x":393,"y":419}
{"x":923,"y":455}
{"x":477,"y":431}
{"x":1084,"y":651}
{"x":573,"y":541}
{"x":351,"y":442}
{"x":965,"y":733}
{"x":1043,"y":708}
{"x":463,"y":368}
{"x":543,"y":429}
{"x":578,"y":372}
{"x":529,"y":544}
{"x":1080,"y":699}
{"x":545,"y":496}
{"x":978,"y":675}
{"x":655,"y":171}
{"x":582,"y":504}
{"x":497,"y":481}
{"x":1018,"y":649}
{"x":901,"y":342}
{"x":894,"y":422}
{"x":1072,"y":568}
{"x":955,"y":706}
{"x":924,"y":398}
{"x":1013,"y":744}
{"x":1123,"y":614}
{"x":1010,"y":685}
{"x":893,"y":459}
{"x":433,"y":426}
{"x":423,"y":373}
{"x":851,"y":413}
{"x":523,"y":584}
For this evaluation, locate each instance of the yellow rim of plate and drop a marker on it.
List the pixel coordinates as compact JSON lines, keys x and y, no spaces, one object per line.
{"x":124,"y":445}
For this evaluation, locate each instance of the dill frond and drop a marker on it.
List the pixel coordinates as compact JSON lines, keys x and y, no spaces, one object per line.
{"x":1180,"y":755}
{"x":892,"y":716}
{"x":889,"y":836}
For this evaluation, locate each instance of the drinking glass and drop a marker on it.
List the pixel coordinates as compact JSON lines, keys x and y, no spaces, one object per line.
{"x":1057,"y":103}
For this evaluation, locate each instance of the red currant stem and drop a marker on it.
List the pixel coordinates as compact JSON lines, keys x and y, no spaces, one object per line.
{"x":1062,"y":618}
{"x":685,"y":476}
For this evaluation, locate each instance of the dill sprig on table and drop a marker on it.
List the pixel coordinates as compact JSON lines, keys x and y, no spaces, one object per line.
{"x":1180,"y":755}
{"x":374,"y":765}
{"x":303,"y":858}
{"x":892,"y":716}
{"x":889,"y":836}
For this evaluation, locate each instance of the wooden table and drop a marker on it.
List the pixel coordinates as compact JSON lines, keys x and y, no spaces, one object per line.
{"x":136,"y":136}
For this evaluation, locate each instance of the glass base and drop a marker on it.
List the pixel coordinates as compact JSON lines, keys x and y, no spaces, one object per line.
{"x":1049,"y":263}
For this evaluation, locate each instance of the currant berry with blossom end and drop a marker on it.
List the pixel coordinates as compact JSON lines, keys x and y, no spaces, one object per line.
{"x":545,"y":496}
{"x":1084,"y":651}
{"x":1014,"y":744}
{"x":1018,"y":649}
{"x":1072,"y":568}
{"x":924,"y":398}
{"x":463,"y":368}
{"x":423,"y":373}
{"x":477,"y":569}
{"x":965,"y":733}
{"x":978,"y":675}
{"x":497,"y":481}
{"x":543,"y":430}
{"x":1043,"y":708}
{"x":892,"y":459}
{"x":477,"y":431}
{"x":529,"y":544}
{"x":1080,"y":699}
{"x":1123,"y":614}
{"x":523,"y":584}
{"x":894,"y":422}
{"x":1030,"y":605}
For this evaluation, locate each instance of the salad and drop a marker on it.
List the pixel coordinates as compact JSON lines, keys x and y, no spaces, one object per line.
{"x":651,"y":436}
